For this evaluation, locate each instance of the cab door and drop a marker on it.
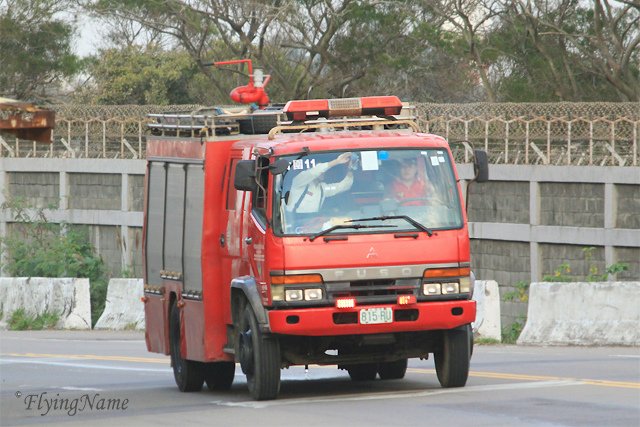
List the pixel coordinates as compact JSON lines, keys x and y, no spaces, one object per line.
{"x":230,"y":239}
{"x":254,"y":238}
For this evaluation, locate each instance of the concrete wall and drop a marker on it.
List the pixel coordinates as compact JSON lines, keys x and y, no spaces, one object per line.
{"x":524,"y":223}
{"x":105,"y":197}
{"x":529,"y":220}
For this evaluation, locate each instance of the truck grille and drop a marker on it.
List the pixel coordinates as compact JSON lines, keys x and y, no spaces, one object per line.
{"x":381,"y":291}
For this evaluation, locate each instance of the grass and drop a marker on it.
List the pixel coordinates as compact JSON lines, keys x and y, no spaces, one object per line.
{"x":21,"y":321}
{"x":486,"y":341}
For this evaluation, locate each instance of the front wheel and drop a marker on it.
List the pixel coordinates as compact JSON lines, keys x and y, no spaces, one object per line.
{"x":259,"y":356}
{"x":188,"y":374}
{"x":453,"y":357}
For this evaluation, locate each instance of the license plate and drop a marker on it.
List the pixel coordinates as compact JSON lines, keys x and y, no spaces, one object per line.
{"x":372,"y":316}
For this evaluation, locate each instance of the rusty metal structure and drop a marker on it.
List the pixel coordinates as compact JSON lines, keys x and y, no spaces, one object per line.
{"x":26,"y":121}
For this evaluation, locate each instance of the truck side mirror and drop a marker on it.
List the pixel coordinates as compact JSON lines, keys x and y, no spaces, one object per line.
{"x":480,"y":166}
{"x":279,"y":166}
{"x":245,"y":179}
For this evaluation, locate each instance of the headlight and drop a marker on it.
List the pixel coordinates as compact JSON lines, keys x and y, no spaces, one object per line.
{"x":450,"y":288}
{"x":431,"y":288}
{"x":293,"y":295}
{"x":312,"y":294}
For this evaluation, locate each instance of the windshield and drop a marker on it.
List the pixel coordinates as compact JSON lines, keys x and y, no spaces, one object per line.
{"x":381,"y":190}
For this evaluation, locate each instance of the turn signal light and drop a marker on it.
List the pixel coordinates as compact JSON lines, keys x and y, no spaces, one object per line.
{"x":297,"y":279}
{"x":446,"y":272}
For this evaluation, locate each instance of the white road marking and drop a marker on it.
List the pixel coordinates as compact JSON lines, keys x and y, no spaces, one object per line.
{"x":9,"y":361}
{"x":627,"y":356}
{"x":397,"y":395}
{"x":78,"y":388}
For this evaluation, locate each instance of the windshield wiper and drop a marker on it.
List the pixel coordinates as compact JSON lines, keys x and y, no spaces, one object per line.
{"x":344,"y":226}
{"x":410,"y":220}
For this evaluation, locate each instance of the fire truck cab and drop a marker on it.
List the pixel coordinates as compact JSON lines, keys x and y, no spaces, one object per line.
{"x":337,"y":238}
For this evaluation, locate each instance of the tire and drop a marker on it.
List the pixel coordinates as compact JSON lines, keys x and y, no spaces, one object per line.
{"x":452,"y":360}
{"x":363,"y":371}
{"x":188,"y":374}
{"x":219,"y":375}
{"x":393,"y":370}
{"x":259,"y":356}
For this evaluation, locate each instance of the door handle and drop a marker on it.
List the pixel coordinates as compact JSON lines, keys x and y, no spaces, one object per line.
{"x":222,"y":240}
{"x":248,"y":240}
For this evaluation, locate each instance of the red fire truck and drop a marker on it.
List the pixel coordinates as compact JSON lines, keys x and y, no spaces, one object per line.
{"x":338,"y":237}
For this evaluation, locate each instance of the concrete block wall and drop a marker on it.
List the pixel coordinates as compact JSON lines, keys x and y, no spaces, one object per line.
{"x":566,"y":209}
{"x":105,"y":197}
{"x":572,"y":204}
{"x":628,"y":206}
{"x":39,"y":190}
{"x":582,"y":260}
{"x":631,"y":257}
{"x":499,"y":201}
{"x":100,"y":191}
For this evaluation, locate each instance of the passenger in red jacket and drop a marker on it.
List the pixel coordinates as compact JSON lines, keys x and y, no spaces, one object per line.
{"x":409,"y":187}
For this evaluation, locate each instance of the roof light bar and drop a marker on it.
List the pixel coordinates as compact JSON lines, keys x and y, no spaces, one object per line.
{"x":343,"y":107}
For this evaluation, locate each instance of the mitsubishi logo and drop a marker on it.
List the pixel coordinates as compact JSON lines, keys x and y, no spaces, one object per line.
{"x":372,"y":253}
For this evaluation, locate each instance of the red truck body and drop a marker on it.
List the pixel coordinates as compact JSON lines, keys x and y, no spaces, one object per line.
{"x":231,"y":276}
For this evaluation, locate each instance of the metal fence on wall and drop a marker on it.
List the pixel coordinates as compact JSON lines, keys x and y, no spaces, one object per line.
{"x":601,"y":134}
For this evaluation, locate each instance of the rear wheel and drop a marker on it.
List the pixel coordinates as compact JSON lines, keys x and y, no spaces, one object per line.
{"x":363,"y":371}
{"x":393,"y":370}
{"x":259,"y":356}
{"x":452,"y":360}
{"x":188,"y":374}
{"x":219,"y":375}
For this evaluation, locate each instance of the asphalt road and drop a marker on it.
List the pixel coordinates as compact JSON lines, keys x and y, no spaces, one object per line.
{"x":108,"y":378}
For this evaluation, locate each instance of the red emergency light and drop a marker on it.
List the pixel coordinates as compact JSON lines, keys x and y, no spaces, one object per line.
{"x":341,"y":107}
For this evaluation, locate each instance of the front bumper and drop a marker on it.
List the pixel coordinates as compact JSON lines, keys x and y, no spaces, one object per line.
{"x":415,"y":317}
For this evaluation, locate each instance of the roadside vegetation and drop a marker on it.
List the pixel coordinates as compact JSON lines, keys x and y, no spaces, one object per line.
{"x":36,"y":247}
{"x":21,"y":321}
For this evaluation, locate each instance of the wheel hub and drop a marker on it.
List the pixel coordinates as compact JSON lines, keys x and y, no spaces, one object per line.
{"x":246,"y":352}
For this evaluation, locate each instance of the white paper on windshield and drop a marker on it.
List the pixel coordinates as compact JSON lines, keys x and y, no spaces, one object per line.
{"x":369,"y":160}
{"x":434,"y":161}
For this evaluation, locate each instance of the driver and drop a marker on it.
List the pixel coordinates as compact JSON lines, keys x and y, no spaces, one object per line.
{"x":408,"y":185}
{"x":309,"y":191}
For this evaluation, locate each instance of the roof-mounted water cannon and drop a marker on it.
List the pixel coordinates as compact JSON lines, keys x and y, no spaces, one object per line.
{"x":253,"y":92}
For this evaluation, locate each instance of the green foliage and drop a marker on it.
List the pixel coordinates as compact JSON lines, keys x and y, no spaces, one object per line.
{"x":486,"y":341}
{"x":20,"y":321}
{"x":511,"y":333}
{"x":36,"y":247}
{"x":521,"y":292}
{"x":560,"y":274}
{"x":136,"y":75}
{"x":563,"y":272}
{"x":35,"y":47}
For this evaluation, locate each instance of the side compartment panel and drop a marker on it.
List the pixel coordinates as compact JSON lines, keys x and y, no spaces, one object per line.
{"x":155,"y":222}
{"x":174,"y":226}
{"x":194,"y":206}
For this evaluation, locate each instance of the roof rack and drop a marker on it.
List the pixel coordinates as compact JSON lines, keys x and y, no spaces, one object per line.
{"x":315,"y":124}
